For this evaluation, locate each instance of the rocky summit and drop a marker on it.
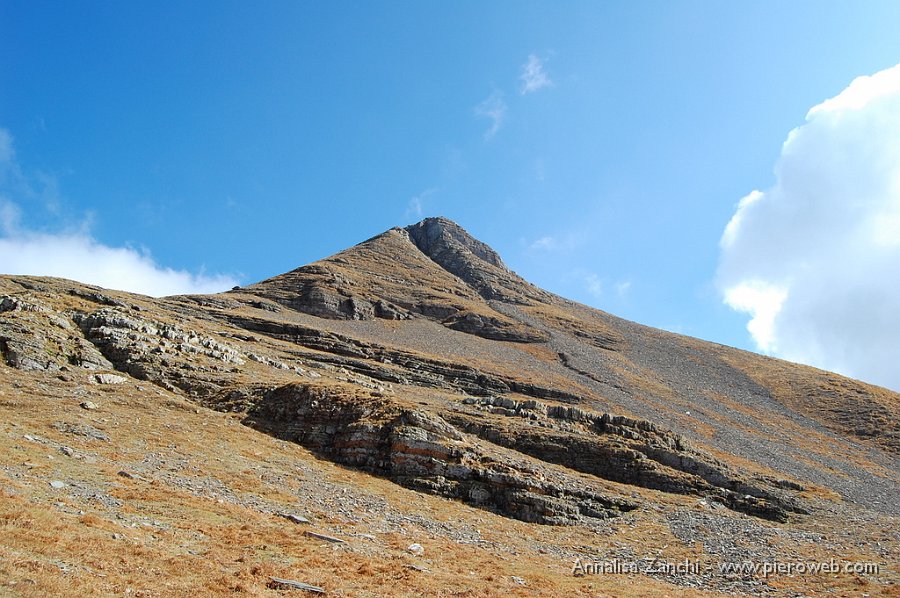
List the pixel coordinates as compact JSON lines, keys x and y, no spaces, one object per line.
{"x":410,"y":416}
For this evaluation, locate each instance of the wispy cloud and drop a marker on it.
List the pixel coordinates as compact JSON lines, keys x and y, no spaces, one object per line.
{"x":597,"y":286}
{"x":600,"y":288}
{"x":416,"y":206}
{"x":494,"y":108}
{"x":622,"y":288}
{"x":71,"y":252}
{"x":540,"y":170}
{"x":533,"y":76}
{"x":547,"y":243}
{"x":594,"y":285}
{"x":813,"y":260}
{"x":6,"y":148}
{"x":9,"y":216}
{"x":561,"y":242}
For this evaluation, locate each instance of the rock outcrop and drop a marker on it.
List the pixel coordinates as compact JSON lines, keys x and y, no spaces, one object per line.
{"x":480,"y":267}
{"x":33,"y":336}
{"x":519,"y":401}
{"x":446,"y":455}
{"x":421,"y":450}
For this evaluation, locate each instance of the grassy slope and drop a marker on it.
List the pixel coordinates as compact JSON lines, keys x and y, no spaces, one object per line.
{"x":177,"y":533}
{"x":199,"y":519}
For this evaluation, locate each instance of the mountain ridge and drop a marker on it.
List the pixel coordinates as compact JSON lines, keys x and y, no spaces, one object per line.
{"x":418,"y":357}
{"x":504,"y":295}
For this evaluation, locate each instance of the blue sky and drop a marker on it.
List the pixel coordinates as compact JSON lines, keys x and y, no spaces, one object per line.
{"x":601,"y":148}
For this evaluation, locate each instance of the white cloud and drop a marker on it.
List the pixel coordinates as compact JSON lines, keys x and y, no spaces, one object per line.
{"x":83,"y":259}
{"x":597,"y":285}
{"x":814,"y":259}
{"x":74,"y":254}
{"x":563,"y":242}
{"x":494,"y":108}
{"x":594,"y":285}
{"x":762,"y":301}
{"x":9,"y":216}
{"x":533,"y":76}
{"x":544,"y":243}
{"x":6,"y":148}
{"x":416,"y":206}
{"x":622,"y":288}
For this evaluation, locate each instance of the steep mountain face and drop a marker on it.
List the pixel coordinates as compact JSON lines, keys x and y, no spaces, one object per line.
{"x":418,"y":356}
{"x":476,"y":264}
{"x":433,"y":269}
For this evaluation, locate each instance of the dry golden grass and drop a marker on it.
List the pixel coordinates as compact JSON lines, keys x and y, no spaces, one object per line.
{"x":848,"y":407}
{"x":203,"y":546}
{"x":168,"y":539}
{"x":590,"y":329}
{"x":60,"y":543}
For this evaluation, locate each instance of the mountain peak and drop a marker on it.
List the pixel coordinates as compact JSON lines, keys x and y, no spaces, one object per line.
{"x":452,"y":248}
{"x":433,"y":269}
{"x":478,"y":387}
{"x":439,"y":238}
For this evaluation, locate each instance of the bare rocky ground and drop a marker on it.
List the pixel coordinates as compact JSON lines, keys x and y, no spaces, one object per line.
{"x":410,"y":417}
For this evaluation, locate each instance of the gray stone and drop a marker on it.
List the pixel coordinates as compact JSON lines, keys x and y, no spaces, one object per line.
{"x":108,"y":379}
